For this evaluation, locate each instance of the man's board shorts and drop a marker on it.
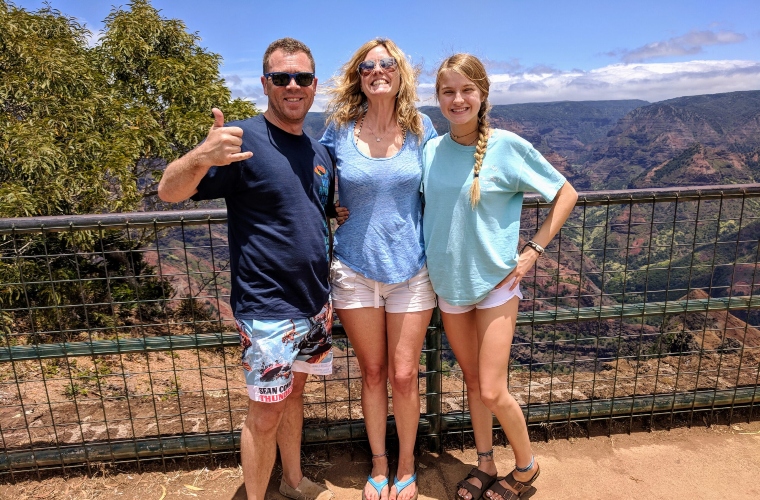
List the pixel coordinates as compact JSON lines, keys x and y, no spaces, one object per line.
{"x":274,"y":349}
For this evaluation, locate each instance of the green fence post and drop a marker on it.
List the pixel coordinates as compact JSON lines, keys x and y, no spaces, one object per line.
{"x":433,"y":379}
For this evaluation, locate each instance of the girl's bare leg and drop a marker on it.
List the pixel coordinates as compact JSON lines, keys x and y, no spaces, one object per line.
{"x":496,"y":328}
{"x":461,"y":332}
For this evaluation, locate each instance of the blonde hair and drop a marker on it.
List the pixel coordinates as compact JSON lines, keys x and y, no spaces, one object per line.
{"x":471,"y":68}
{"x":348,"y":102}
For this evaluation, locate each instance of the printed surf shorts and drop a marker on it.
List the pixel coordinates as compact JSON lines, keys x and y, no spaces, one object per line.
{"x":274,"y":349}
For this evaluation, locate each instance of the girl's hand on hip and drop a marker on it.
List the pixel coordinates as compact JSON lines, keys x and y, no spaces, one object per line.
{"x":525,"y":262}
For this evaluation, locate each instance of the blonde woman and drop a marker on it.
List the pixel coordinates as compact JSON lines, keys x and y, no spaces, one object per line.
{"x":380,"y":285}
{"x":473,"y":182}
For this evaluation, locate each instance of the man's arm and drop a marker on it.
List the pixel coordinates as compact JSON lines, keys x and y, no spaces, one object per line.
{"x":221,"y":147}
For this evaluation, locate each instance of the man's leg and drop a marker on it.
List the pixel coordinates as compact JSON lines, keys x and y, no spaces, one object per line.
{"x":313,"y":338}
{"x":289,"y":432}
{"x":258,"y":445}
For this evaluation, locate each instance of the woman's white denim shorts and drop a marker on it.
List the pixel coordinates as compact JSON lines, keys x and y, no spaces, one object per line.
{"x":495,"y":298}
{"x":353,"y":290}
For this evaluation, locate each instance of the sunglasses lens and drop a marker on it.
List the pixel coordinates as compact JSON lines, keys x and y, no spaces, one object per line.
{"x":280,"y":79}
{"x":365,"y":67}
{"x":388,"y":63}
{"x":304,"y":79}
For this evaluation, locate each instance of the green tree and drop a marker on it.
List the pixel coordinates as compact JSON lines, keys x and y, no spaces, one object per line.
{"x":168,"y":79}
{"x":88,"y":129}
{"x":60,"y":123}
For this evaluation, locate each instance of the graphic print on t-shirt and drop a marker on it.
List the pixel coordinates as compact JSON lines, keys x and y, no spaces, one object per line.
{"x":324,"y":192}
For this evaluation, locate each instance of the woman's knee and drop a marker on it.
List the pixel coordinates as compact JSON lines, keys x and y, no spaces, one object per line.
{"x":494,"y":395}
{"x":472,"y":381}
{"x":375,"y":375}
{"x":404,"y":381}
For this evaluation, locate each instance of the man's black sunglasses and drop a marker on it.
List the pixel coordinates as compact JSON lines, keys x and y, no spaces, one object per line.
{"x":282,"y":79}
{"x":387,"y":63}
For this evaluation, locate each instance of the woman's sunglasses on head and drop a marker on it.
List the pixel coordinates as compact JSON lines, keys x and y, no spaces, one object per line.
{"x":282,"y":79}
{"x":366,"y":67}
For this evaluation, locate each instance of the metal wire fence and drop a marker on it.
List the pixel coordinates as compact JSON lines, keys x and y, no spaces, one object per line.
{"x":117,"y":342}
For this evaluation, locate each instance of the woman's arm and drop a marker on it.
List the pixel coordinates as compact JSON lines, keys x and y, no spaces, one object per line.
{"x":562,"y":206}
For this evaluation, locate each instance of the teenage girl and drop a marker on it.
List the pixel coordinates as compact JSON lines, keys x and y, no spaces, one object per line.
{"x":474,"y":178}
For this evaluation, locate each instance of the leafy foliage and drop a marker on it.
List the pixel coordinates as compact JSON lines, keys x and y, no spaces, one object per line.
{"x":169,"y":81}
{"x":88,"y":129}
{"x":61,"y":124}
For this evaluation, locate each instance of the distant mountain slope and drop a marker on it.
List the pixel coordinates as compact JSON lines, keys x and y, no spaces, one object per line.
{"x":624,"y":144}
{"x":315,"y":125}
{"x":566,"y":126}
{"x":699,"y":164}
{"x":663,"y":136}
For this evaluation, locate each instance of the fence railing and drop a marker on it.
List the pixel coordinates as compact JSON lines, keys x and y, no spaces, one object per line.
{"x":117,"y":342}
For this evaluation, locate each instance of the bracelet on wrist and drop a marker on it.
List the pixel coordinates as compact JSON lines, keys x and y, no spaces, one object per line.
{"x":535,"y":246}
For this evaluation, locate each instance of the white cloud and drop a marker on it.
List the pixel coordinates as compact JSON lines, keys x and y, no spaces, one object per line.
{"x":650,"y":82}
{"x":689,"y":44}
{"x":246,"y":87}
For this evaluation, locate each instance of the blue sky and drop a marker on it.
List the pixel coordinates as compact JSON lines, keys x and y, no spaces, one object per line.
{"x":536,"y":51}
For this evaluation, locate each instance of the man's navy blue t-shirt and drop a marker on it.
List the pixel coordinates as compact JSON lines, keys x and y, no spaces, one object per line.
{"x":276,"y":222}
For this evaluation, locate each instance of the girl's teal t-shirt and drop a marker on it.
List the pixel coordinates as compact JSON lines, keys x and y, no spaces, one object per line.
{"x":469,"y":251}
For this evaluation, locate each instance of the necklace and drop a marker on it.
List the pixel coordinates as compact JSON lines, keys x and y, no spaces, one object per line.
{"x":377,"y":139}
{"x":359,"y":130}
{"x":463,"y":135}
{"x":471,"y":143}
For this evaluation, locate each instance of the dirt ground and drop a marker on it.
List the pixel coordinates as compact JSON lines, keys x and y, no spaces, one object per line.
{"x":719,"y":462}
{"x":187,"y":392}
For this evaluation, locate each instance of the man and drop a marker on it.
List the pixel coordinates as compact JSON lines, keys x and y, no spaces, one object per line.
{"x":276,"y":182}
